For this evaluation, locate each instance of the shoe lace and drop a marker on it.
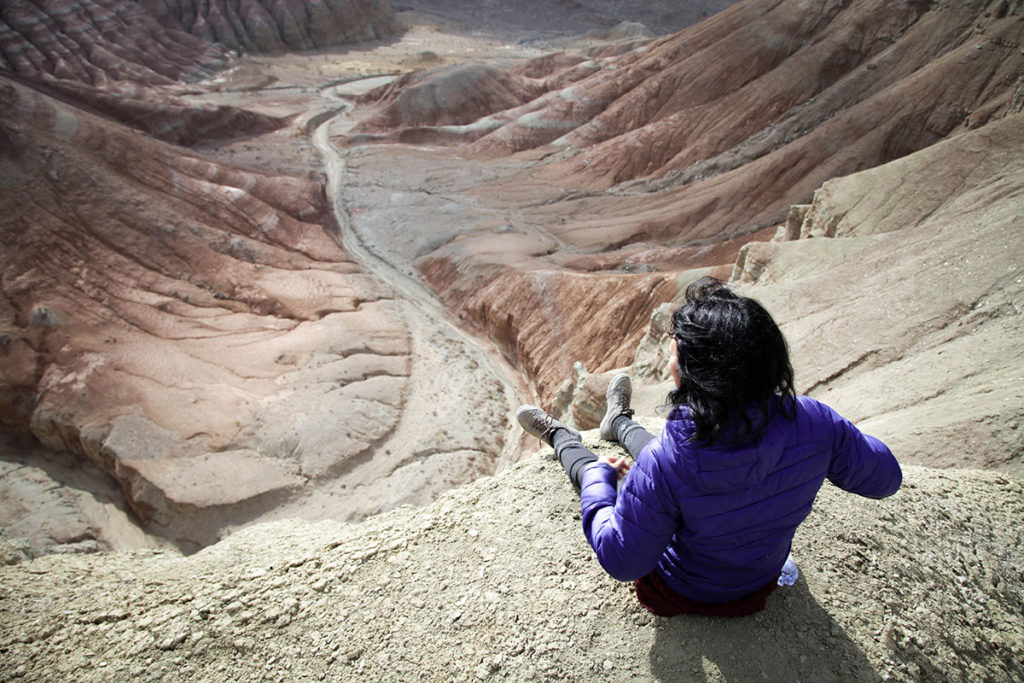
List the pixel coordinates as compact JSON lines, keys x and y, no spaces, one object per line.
{"x":546,"y":425}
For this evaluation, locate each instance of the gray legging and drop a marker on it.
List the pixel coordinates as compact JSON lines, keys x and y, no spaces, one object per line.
{"x":575,"y":457}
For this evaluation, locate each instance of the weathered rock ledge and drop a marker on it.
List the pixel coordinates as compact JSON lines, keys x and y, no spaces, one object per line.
{"x":494,"y":580}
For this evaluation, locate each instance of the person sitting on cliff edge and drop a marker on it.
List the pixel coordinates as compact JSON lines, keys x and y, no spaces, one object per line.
{"x":704,"y":522}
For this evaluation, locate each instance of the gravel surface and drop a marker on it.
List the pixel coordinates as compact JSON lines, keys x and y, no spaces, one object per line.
{"x":495,"y":581}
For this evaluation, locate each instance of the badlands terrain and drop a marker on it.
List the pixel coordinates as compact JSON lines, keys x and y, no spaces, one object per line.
{"x":274,"y":269}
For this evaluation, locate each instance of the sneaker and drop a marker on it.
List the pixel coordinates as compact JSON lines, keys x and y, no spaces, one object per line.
{"x":619,"y":394}
{"x":538,"y":422}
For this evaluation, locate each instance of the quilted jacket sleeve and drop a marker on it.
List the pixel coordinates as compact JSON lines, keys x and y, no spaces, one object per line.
{"x":629,"y":532}
{"x":861,"y":463}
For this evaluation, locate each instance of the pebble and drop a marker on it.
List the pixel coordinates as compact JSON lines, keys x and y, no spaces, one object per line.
{"x":172,"y":641}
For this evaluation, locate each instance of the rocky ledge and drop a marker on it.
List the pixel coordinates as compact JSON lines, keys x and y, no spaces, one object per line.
{"x":495,"y":581}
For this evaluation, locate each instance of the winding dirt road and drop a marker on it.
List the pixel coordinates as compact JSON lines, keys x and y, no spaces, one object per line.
{"x":424,"y":309}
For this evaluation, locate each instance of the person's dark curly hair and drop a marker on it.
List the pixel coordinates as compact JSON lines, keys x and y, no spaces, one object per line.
{"x":733,"y":364}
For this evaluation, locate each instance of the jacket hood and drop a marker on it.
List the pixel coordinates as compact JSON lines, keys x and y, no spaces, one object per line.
{"x":722,"y":466}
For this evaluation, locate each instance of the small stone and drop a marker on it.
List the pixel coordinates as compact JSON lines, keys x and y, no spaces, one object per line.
{"x":607,"y":664}
{"x":172,"y":641}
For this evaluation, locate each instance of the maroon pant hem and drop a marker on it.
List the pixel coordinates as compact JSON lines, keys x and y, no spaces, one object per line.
{"x":654,"y":594}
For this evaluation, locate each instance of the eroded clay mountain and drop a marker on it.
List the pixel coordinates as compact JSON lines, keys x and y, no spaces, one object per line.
{"x":671,"y":155}
{"x":197,"y":332}
{"x":192,"y":328}
{"x":155,"y":302}
{"x":127,"y":59}
{"x":269,"y":25}
{"x":546,"y":21}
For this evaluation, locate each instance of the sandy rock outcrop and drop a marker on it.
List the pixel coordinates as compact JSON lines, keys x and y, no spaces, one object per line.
{"x":926,"y":354}
{"x":495,"y":580}
{"x":57,"y":503}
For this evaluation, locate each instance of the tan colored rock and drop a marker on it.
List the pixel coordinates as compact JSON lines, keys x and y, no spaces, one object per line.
{"x":901,"y":300}
{"x":925,"y":353}
{"x":495,"y":580}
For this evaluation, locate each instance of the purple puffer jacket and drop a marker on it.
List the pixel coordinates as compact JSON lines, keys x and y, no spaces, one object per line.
{"x":717,"y":522}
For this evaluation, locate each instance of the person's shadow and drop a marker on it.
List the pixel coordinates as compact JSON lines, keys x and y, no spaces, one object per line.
{"x":792,"y":639}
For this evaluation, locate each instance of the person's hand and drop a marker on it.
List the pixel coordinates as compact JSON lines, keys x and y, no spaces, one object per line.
{"x":617,"y":463}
